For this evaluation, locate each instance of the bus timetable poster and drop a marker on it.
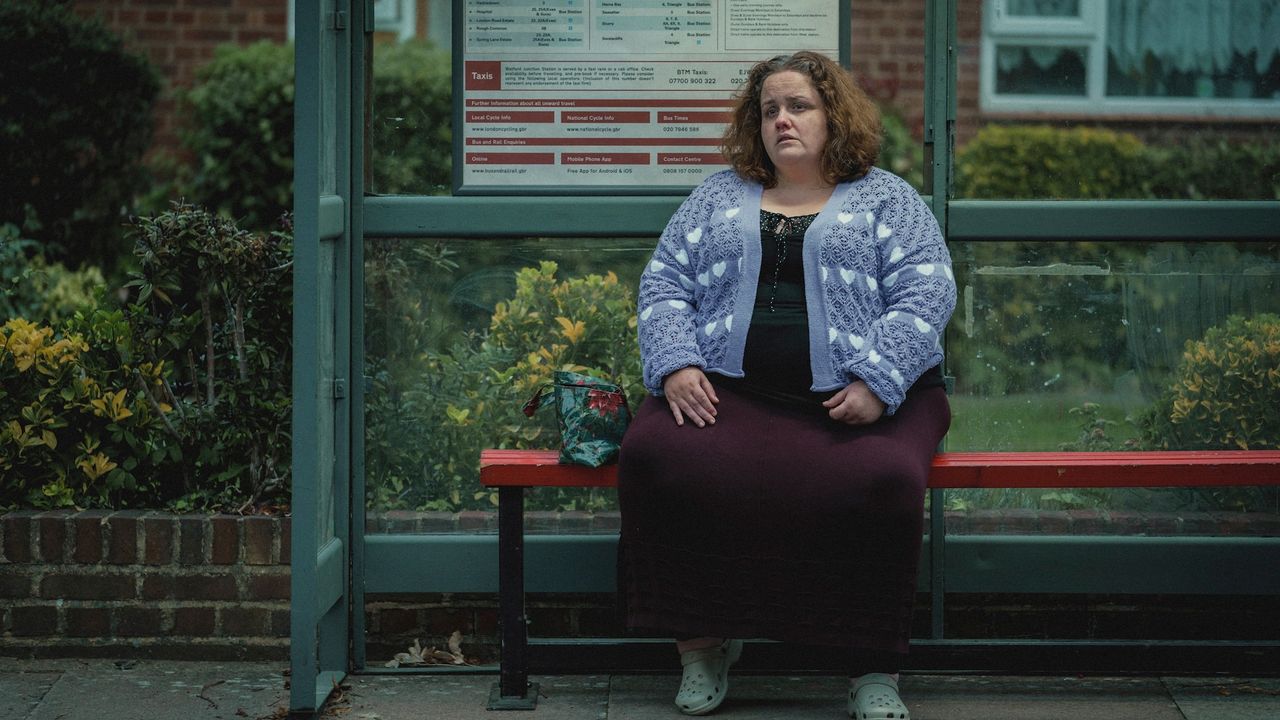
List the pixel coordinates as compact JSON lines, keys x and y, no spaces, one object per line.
{"x":574,"y":96}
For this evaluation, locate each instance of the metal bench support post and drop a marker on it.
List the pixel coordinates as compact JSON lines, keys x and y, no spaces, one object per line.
{"x":937,"y":562}
{"x":513,"y":691}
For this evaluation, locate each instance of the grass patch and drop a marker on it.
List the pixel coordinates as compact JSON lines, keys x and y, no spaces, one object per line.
{"x":1033,"y":421}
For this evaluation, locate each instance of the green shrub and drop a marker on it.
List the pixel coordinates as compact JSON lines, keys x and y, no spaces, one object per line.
{"x":179,"y":398}
{"x":1225,"y":393}
{"x":78,"y":421}
{"x":428,"y":419}
{"x":38,"y":290}
{"x":1036,"y":315}
{"x":585,"y":324}
{"x":75,"y":119}
{"x":901,"y":153}
{"x":1044,"y":162}
{"x":239,"y":127}
{"x":410,"y":129}
{"x":213,"y":306}
{"x":240,"y":130}
{"x":1215,"y":168}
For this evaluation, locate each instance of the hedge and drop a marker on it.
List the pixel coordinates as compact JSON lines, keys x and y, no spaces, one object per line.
{"x":75,"y":119}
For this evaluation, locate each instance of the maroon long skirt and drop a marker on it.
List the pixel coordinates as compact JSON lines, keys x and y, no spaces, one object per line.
{"x":776,"y":522}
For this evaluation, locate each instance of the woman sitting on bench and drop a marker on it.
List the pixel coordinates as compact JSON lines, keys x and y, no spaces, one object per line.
{"x":789,"y":323}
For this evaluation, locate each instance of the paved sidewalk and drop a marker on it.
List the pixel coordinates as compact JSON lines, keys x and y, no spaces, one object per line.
{"x":73,"y":689}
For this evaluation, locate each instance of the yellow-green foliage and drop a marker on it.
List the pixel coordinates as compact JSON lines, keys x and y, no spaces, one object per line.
{"x":50,"y":292}
{"x":586,"y":324}
{"x":71,"y":430}
{"x":429,"y":419}
{"x":1226,"y":392}
{"x":34,"y":288}
{"x":1042,"y":161}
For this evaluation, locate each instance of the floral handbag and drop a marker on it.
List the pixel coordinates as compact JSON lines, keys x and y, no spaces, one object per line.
{"x":592,"y":413}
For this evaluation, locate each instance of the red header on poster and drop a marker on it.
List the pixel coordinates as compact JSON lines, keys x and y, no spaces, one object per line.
{"x":605,"y":117}
{"x":694,"y":117}
{"x":511,"y":158}
{"x":497,"y":116}
{"x":690,"y":159}
{"x":483,"y":75}
{"x":604,"y":159}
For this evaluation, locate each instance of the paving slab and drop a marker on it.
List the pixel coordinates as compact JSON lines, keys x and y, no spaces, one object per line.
{"x":75,"y":689}
{"x":465,"y":697}
{"x":21,"y":692}
{"x":937,"y":697}
{"x":1226,"y":698}
{"x":751,"y":697}
{"x":132,"y":690}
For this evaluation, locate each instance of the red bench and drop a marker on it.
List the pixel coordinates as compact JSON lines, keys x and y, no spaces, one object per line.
{"x":511,"y":471}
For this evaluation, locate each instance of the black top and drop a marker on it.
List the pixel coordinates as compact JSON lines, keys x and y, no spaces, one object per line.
{"x":776,"y":357}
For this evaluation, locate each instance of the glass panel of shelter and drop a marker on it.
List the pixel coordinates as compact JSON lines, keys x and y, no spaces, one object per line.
{"x":430,"y":303}
{"x":1042,"y":328}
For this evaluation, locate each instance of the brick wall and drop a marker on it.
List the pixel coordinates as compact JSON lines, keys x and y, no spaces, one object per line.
{"x":887,"y":41}
{"x":887,"y":47}
{"x":179,"y":36}
{"x":144,"y":584}
{"x":968,"y":522}
{"x":150,"y":584}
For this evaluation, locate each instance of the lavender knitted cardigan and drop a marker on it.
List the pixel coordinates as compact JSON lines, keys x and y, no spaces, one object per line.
{"x":878,"y":285}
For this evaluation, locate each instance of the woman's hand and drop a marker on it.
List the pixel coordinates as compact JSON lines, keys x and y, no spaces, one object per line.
{"x":689,"y":394}
{"x":855,"y":404}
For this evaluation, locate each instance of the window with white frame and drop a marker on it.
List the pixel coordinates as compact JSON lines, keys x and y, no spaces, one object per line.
{"x":1132,"y":57}
{"x":393,"y":16}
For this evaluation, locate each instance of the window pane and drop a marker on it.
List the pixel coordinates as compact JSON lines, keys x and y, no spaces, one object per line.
{"x":1040,"y":69}
{"x":1084,"y":346}
{"x":1194,"y":50}
{"x":1044,"y":8}
{"x":388,"y":11}
{"x":409,"y":129}
{"x":455,"y":344}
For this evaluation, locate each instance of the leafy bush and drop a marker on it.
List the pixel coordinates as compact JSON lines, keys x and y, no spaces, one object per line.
{"x":1215,"y":168}
{"x":75,"y":119}
{"x":900,"y":153}
{"x":240,"y":130}
{"x":213,"y":307}
{"x":37,"y":290}
{"x":410,"y":133}
{"x":239,"y":126}
{"x":424,"y":442}
{"x":1036,"y":315}
{"x":586,"y":324}
{"x":178,"y":398}
{"x":1094,"y":435}
{"x":1041,"y":161}
{"x":1048,"y":162}
{"x":1225,"y":393}
{"x":80,"y":423}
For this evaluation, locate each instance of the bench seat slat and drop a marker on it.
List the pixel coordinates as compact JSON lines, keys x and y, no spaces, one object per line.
{"x":1200,"y":468}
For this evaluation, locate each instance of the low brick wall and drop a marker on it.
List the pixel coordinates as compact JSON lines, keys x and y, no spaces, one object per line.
{"x":970,"y":522}
{"x":150,"y":584}
{"x":144,"y":584}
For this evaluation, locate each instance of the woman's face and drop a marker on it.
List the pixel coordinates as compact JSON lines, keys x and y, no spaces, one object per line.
{"x":793,"y":121}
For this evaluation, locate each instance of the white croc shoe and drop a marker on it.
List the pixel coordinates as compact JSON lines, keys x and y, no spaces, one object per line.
{"x":874,"y":696}
{"x":706,"y":677}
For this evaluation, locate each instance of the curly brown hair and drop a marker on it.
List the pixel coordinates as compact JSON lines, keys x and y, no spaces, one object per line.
{"x":853,"y":121}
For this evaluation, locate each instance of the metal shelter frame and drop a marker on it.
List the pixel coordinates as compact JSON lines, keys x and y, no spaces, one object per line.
{"x":335,"y":564}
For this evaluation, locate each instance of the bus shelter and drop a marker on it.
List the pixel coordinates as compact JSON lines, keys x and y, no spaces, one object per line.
{"x":341,"y":218}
